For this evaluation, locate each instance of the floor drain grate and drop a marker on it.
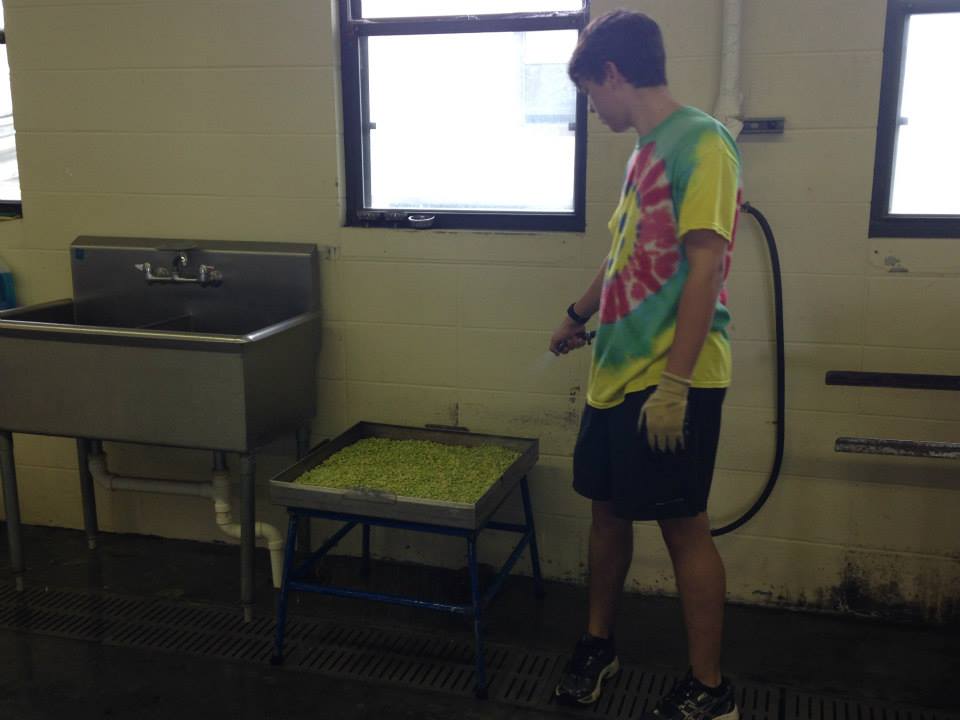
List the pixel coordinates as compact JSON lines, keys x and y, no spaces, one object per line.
{"x":516,"y":676}
{"x":804,"y":706}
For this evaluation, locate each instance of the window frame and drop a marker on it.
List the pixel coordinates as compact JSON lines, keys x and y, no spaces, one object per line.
{"x":882,"y":222}
{"x":10,"y":208}
{"x":354,"y":91}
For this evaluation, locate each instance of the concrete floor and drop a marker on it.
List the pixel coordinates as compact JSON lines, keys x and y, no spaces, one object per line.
{"x":45,"y":677}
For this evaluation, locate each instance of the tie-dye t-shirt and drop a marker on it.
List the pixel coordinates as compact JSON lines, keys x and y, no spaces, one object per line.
{"x":684,"y":175}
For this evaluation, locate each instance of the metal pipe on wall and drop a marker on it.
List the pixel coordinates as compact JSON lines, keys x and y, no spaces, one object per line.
{"x":728,"y":106}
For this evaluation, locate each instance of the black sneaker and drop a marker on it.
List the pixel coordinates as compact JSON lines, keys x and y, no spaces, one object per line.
{"x":594,"y":661}
{"x":690,"y":699}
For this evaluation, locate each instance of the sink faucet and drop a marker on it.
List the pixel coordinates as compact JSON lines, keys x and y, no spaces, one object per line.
{"x":206,"y":274}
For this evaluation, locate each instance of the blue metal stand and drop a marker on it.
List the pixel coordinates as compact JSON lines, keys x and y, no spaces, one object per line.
{"x":297,"y":578}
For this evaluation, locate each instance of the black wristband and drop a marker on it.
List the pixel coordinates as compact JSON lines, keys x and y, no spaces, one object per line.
{"x":576,"y":318}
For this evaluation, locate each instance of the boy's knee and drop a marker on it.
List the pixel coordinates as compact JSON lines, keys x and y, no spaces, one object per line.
{"x":677,"y":531}
{"x":606,"y":521}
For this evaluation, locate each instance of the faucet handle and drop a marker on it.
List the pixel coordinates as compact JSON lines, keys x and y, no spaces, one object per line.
{"x":147,"y":270}
{"x":209,"y":274}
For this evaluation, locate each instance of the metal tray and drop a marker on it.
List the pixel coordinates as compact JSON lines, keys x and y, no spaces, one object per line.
{"x":371,"y":503}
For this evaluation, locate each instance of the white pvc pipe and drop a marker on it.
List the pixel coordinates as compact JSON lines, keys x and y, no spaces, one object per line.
{"x":221,"y":506}
{"x":728,"y":108}
{"x":218,"y":489}
{"x":98,"y":468}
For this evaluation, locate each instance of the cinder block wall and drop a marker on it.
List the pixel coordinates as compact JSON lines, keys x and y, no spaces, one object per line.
{"x":220,"y":119}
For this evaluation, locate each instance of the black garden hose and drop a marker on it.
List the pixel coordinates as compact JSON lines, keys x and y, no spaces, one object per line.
{"x":781,"y":374}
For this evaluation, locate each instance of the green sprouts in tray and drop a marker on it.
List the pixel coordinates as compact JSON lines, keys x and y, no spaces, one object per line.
{"x":414,"y":468}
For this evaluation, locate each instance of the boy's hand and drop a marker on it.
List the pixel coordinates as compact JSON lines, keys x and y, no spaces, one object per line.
{"x":664,"y":413}
{"x":569,"y":336}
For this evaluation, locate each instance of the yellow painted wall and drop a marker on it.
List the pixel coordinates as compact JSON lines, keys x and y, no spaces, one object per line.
{"x":220,"y":119}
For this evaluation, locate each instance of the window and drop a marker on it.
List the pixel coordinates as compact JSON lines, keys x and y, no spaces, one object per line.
{"x":9,"y":170}
{"x":460,"y":117}
{"x":915,"y":190}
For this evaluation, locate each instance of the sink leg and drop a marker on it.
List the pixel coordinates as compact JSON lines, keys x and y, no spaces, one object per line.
{"x":87,"y":493}
{"x":304,"y":540}
{"x":247,"y":534}
{"x":8,"y":478}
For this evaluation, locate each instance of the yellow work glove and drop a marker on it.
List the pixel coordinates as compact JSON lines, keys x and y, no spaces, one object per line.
{"x":664,"y":413}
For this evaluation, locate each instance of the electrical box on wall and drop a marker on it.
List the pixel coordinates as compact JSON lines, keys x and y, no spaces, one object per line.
{"x":763,"y":126}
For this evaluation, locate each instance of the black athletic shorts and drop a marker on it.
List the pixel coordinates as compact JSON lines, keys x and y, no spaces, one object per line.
{"x":613,"y":462}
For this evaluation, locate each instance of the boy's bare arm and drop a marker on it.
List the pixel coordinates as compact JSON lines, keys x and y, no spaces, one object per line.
{"x":589,"y":304}
{"x":568,"y":336}
{"x":706,"y":251}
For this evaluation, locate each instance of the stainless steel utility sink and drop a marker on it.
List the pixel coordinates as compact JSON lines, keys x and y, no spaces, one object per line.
{"x":166,"y":342}
{"x":191,"y":344}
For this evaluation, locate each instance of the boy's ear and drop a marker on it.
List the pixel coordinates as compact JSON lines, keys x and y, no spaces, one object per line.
{"x":611,"y":72}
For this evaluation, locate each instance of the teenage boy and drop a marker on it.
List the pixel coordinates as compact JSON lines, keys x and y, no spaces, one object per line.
{"x":661,"y":360}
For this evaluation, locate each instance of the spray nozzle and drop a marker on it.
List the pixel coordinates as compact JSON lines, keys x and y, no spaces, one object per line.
{"x":588,"y":336}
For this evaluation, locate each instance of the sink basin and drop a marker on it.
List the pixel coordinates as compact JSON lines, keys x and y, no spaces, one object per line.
{"x":68,"y":318}
{"x":226,"y":366}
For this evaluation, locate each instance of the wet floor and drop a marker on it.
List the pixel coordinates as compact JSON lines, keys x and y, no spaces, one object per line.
{"x":47,"y":677}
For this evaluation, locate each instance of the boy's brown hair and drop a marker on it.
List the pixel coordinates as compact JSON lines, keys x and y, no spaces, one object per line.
{"x":630,"y":40}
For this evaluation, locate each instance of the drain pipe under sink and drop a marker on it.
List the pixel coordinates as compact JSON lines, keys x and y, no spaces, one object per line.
{"x":221,"y":506}
{"x":218,"y":490}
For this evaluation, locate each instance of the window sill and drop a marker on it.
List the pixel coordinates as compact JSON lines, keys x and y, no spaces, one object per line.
{"x":471,"y":222}
{"x":915,"y":227}
{"x":11,"y":210}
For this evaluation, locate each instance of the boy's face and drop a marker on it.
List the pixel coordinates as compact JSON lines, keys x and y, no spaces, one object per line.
{"x":606,"y":102}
